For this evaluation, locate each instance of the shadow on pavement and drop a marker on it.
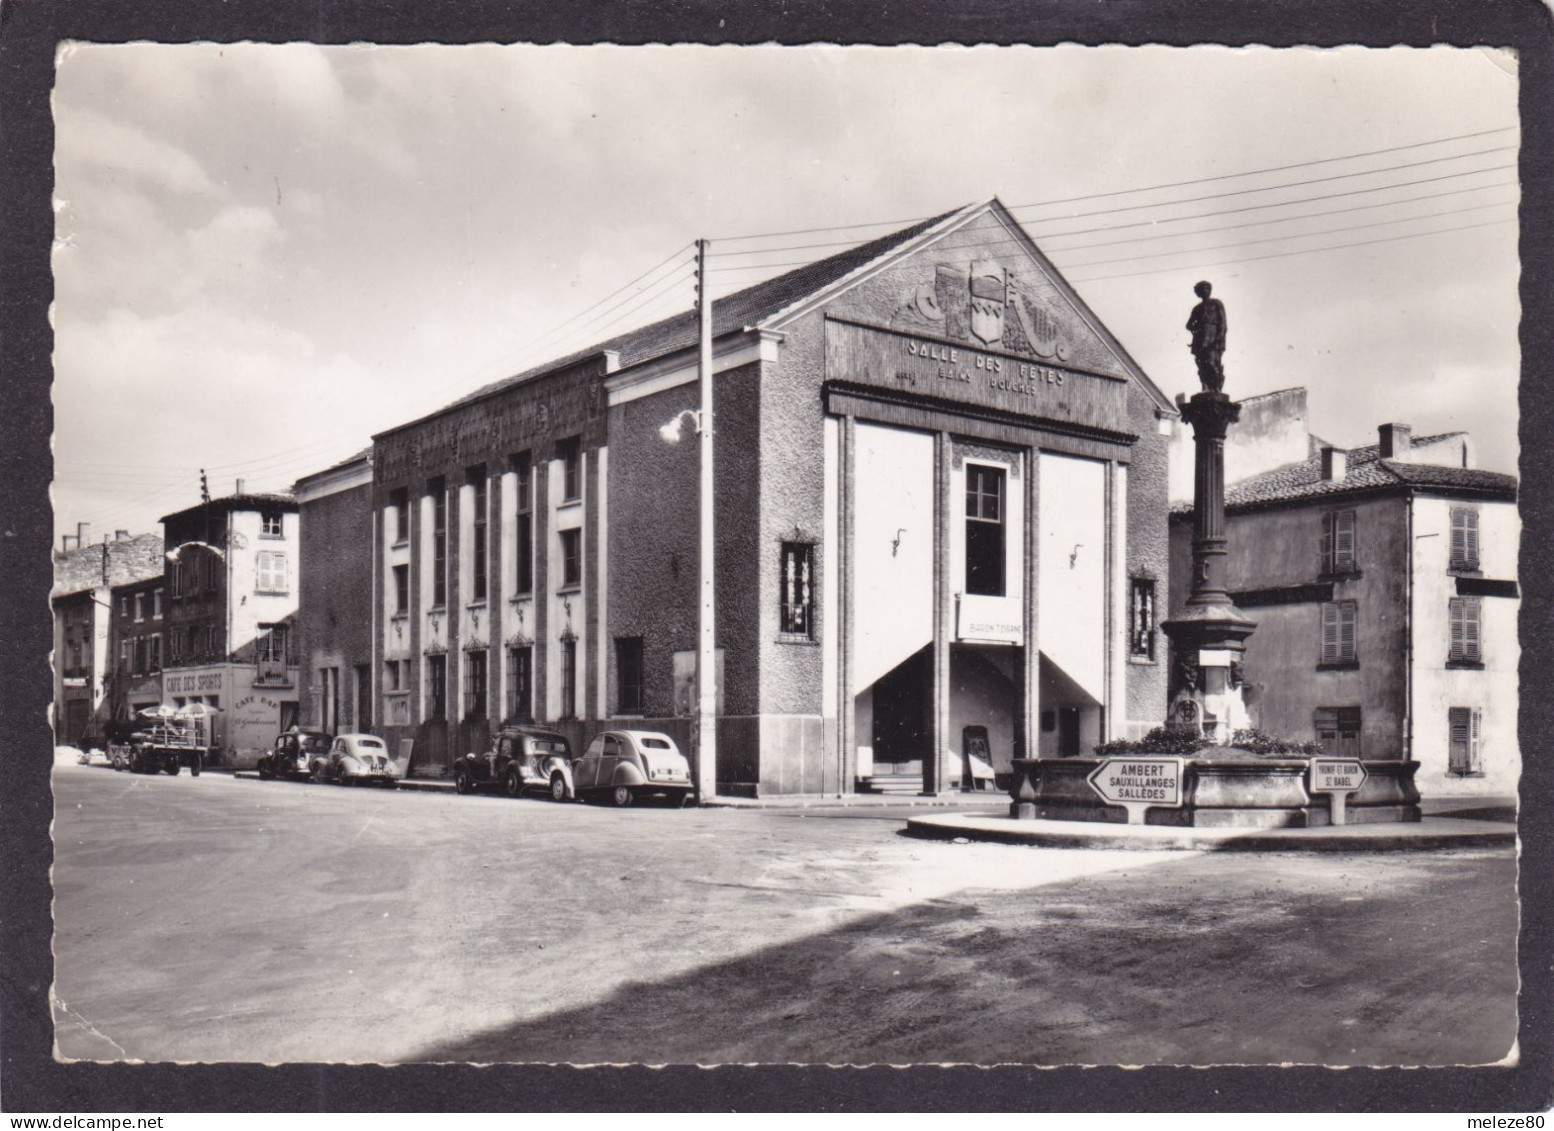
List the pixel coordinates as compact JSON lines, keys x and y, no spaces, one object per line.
{"x":1208,"y":960}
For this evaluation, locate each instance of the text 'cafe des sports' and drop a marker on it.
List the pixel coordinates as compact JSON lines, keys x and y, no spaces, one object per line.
{"x":940,"y":528}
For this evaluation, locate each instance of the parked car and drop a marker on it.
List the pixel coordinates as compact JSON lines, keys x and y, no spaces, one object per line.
{"x":356,"y":758}
{"x":624,"y":765}
{"x":521,"y":759}
{"x":292,"y":753}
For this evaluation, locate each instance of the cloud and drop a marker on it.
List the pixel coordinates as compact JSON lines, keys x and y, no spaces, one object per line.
{"x":113,"y":150}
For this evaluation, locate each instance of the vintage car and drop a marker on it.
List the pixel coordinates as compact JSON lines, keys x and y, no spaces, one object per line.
{"x":521,"y":759}
{"x":292,"y":753}
{"x":356,"y":758}
{"x":624,"y":765}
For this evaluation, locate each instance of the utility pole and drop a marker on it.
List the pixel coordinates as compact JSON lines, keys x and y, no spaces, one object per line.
{"x":706,"y":652}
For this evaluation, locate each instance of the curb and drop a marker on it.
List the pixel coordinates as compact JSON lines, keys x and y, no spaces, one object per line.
{"x":1426,"y":835}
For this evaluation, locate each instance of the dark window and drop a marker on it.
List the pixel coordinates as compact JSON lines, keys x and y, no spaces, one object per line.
{"x":437,"y":687}
{"x":1338,"y":553}
{"x":523,"y":534}
{"x":568,"y":679}
{"x":475,"y":684}
{"x":401,"y":590}
{"x":156,"y":602}
{"x":797,"y":611}
{"x":571,"y":557}
{"x":1338,"y":730}
{"x":1141,"y":619}
{"x":1464,"y":538}
{"x":363,"y":714}
{"x":476,"y":477}
{"x":520,"y":704}
{"x":271,"y":524}
{"x":1466,"y":614}
{"x":438,"y":490}
{"x":273,"y":645}
{"x":628,"y":669}
{"x":984,"y":530}
{"x":399,"y":512}
{"x":1463,"y":758}
{"x":155,"y":642}
{"x":1338,"y":632}
{"x":570,"y":453}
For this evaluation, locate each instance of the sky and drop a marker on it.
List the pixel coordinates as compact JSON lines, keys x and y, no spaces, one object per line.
{"x":265,"y":254}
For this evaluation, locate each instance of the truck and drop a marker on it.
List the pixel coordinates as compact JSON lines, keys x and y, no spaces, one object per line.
{"x":176,"y":738}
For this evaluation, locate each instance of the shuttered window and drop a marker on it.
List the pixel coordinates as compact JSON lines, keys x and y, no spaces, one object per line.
{"x":1466,"y":617}
{"x":1338,"y":730}
{"x":1338,"y":550}
{"x":1338,"y":632}
{"x":1464,"y":538}
{"x":1463,"y":754}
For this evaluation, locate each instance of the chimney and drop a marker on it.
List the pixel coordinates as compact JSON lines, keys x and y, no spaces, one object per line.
{"x":82,"y":530}
{"x":1396,"y":441}
{"x":120,"y":535}
{"x":64,"y":543}
{"x":239,"y":486}
{"x":1335,"y":464}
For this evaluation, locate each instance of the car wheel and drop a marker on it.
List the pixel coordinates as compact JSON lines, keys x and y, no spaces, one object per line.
{"x":341,"y":777}
{"x":265,"y":773}
{"x":320,"y":774}
{"x":686,"y":800}
{"x":558,"y":787}
{"x":512,"y":783}
{"x":462,"y":784}
{"x":195,"y":766}
{"x":172,"y":770}
{"x":622,"y":797}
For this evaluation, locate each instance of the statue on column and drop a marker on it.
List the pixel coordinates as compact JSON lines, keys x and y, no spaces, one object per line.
{"x":1208,"y":338}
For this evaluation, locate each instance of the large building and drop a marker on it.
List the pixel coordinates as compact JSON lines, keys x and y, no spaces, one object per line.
{"x":138,"y":633}
{"x":232,"y":584}
{"x":1383,"y":583}
{"x":88,"y":578}
{"x":940,"y":525}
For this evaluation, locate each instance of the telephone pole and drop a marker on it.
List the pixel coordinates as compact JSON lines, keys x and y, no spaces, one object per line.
{"x":706,"y":651}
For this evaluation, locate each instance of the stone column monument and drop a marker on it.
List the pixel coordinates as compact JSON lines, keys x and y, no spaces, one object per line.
{"x":1209,"y":638}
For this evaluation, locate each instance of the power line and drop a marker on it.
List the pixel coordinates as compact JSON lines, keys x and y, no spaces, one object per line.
{"x":1043,"y":237}
{"x":1279,"y":239}
{"x":1144,"y":188}
{"x":1286,"y":254}
{"x":534,"y":343}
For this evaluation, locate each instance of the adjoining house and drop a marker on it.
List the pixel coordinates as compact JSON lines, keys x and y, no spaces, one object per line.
{"x":89,"y":581}
{"x":335,"y":600}
{"x":136,"y":642}
{"x":232,"y":583}
{"x":940,"y":523}
{"x":1383,"y":583}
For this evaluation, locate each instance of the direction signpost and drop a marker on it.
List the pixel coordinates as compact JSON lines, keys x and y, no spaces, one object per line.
{"x":1139,"y":784}
{"x":1338,"y":778}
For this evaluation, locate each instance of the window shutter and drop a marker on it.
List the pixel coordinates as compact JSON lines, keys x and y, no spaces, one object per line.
{"x":1470,"y":630}
{"x":1464,"y":539}
{"x":1327,"y":542}
{"x":1470,"y":538}
{"x":1329,"y":633}
{"x":1343,"y":540}
{"x":1346,"y":648}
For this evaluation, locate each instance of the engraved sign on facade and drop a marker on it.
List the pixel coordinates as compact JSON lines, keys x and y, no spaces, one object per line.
{"x":895,"y":360}
{"x":989,"y":619}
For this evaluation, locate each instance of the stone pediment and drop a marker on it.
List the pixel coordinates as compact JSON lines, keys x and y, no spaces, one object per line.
{"x":981,"y":285}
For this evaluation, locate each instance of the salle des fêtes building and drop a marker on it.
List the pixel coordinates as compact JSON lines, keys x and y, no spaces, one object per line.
{"x":940,"y":524}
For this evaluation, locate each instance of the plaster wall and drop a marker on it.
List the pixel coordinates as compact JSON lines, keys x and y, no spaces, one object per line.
{"x":1272,"y":432}
{"x":1071,"y":587}
{"x":1286,"y":681}
{"x":1492,"y":689}
{"x":247,"y":607}
{"x":335,"y":597}
{"x":1146,"y":556}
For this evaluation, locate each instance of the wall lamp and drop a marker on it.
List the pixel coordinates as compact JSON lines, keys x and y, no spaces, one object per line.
{"x":671,"y":431}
